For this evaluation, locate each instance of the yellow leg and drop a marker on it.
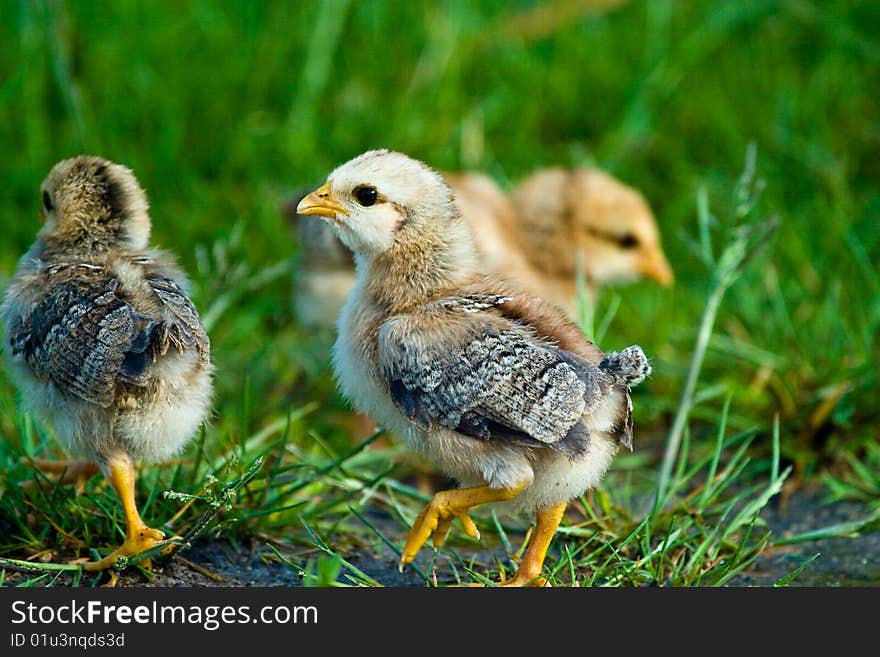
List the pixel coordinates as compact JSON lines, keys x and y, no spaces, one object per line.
{"x":71,"y":472}
{"x":138,"y":537}
{"x":529,"y":571}
{"x":446,"y":505}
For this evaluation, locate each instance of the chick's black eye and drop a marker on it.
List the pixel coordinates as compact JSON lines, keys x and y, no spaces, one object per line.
{"x":628,"y":241}
{"x":366,"y":195}
{"x":47,"y":202}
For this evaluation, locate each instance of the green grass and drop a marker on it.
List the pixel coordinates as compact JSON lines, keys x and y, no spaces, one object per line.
{"x":222,"y":109}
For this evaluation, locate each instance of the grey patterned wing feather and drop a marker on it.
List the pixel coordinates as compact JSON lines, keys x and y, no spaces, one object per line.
{"x":87,"y":340}
{"x":16,"y":334}
{"x":498,"y":385}
{"x":626,"y":369}
{"x":78,"y":336}
{"x":626,"y":434}
{"x":183,"y":327}
{"x":471,"y":303}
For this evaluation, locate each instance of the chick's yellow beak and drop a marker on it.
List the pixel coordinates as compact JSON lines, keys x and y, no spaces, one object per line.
{"x":321,"y":202}
{"x":657,"y":268}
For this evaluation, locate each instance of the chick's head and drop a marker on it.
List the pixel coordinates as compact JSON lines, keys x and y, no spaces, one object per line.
{"x":586,"y":218}
{"x":87,"y":199}
{"x":623,"y":242}
{"x":381,"y":199}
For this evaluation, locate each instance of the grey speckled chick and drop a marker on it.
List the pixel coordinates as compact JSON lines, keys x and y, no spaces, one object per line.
{"x":105,"y":345}
{"x":495,"y":386}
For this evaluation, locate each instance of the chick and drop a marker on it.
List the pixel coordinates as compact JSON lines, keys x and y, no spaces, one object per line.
{"x":571,"y":218}
{"x":494,"y":386}
{"x":105,"y":345}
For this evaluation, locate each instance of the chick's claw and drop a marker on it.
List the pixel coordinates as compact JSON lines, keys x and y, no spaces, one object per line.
{"x":142,"y":539}
{"x":444,"y":523}
{"x":436,"y":518}
{"x":520,"y":581}
{"x":148,"y":533}
{"x":446,"y":505}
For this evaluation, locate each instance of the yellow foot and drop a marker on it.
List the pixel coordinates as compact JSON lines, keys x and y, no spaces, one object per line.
{"x":112,"y":582}
{"x":436,"y":518}
{"x":529,"y":571}
{"x":522,"y":580}
{"x":141,"y":539}
{"x":77,"y":473}
{"x":516,"y":582}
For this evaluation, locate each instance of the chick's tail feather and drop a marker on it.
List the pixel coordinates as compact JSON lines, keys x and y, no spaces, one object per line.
{"x":628,"y":367}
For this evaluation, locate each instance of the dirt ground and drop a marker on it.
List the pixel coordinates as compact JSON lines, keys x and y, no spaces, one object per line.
{"x":841,"y":561}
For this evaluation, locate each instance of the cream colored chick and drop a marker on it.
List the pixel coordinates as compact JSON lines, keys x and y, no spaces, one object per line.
{"x":104,"y":343}
{"x":572,"y":218}
{"x":494,"y":386}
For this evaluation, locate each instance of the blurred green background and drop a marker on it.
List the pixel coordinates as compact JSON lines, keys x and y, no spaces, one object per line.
{"x":222,"y":109}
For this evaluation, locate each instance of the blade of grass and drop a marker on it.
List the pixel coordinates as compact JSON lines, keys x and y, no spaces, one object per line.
{"x":787,"y":579}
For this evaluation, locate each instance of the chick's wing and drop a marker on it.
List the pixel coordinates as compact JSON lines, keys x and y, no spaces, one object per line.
{"x":87,"y":338}
{"x":487,"y":379}
{"x":80,"y":335}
